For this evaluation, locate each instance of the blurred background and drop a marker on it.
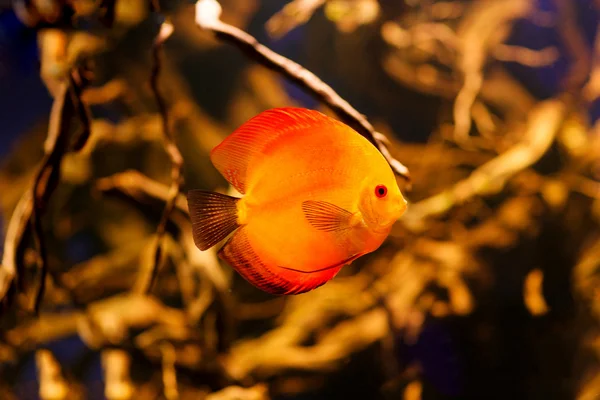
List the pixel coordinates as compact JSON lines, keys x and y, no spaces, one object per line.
{"x":487,"y":288}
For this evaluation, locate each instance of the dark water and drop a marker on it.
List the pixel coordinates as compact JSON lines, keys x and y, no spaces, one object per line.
{"x":453,"y":363}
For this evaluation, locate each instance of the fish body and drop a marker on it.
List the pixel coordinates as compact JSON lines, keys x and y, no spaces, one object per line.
{"x":316,"y":196}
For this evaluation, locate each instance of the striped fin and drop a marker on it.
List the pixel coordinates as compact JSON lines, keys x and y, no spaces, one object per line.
{"x":247,"y":143}
{"x":275,"y":280}
{"x":213,"y":216}
{"x":327,"y":217}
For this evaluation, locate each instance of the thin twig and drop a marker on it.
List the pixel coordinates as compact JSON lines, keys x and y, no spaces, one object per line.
{"x":14,"y":245}
{"x":207,"y":18}
{"x":478,"y":34}
{"x":175,"y":156}
{"x":33,"y":203}
{"x":525,"y":56}
{"x":53,"y":384}
{"x":48,"y":174}
{"x":575,"y":44}
{"x":85,"y":115}
{"x":591,"y":90}
{"x":116,"y":364}
{"x":257,"y":392}
{"x":169,"y":375}
{"x":292,"y":15}
{"x":542,"y":128}
{"x":139,"y":189}
{"x":136,"y":185}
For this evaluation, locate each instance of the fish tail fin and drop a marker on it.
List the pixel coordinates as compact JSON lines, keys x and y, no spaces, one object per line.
{"x":213,"y":215}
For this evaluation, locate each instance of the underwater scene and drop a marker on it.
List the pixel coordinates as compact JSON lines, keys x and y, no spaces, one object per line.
{"x":300,"y":199}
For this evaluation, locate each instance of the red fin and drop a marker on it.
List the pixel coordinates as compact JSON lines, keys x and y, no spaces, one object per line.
{"x":233,"y":156}
{"x":326,"y":216}
{"x":347,"y":261}
{"x":213,"y":216}
{"x":239,"y":253}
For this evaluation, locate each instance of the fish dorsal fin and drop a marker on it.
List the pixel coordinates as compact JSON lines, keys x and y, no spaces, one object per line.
{"x":248,"y":142}
{"x":326,"y":216}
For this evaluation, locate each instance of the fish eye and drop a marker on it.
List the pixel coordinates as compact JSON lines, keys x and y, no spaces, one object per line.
{"x":380,"y":191}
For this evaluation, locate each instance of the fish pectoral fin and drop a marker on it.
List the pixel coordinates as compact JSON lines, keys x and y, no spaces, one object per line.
{"x":328,"y":217}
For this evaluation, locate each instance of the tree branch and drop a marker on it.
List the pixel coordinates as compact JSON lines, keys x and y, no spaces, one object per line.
{"x":542,"y":127}
{"x":207,"y":18}
{"x":146,"y":280}
{"x":477,"y":35}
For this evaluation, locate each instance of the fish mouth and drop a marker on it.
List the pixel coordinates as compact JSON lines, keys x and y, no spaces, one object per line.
{"x":383,"y":227}
{"x":402,"y":207}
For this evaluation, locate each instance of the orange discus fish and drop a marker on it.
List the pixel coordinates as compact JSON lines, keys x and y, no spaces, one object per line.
{"x":317,"y":195}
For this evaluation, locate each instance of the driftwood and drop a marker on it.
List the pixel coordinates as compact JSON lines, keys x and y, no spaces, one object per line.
{"x":500,"y":238}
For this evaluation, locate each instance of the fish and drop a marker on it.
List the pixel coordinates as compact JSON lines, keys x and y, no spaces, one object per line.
{"x":315,"y":196}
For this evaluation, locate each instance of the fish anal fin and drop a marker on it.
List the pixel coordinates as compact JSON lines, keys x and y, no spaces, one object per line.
{"x":238,"y":253}
{"x":213,"y":216}
{"x":247,"y":143}
{"x":342,"y":263}
{"x":326,"y":216}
